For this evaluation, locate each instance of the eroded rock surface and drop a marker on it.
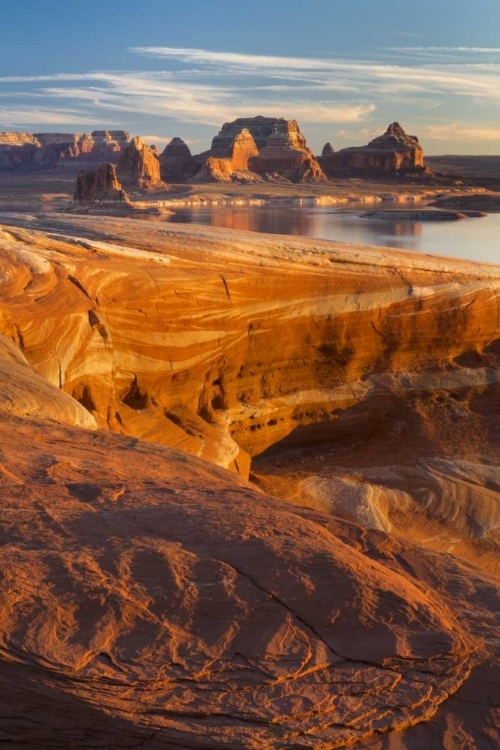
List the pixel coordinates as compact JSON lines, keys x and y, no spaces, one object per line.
{"x":149,"y":599}
{"x":234,"y":346}
{"x":99,"y":185}
{"x":176,"y":162}
{"x":267,"y":147}
{"x":139,"y":167}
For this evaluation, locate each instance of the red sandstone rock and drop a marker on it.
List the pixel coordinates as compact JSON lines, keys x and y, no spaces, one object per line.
{"x":394,"y":152}
{"x":270,"y":147}
{"x":327,"y":149}
{"x":139,"y":167}
{"x":99,"y":185}
{"x":149,"y":599}
{"x":176,"y":162}
{"x":44,"y":150}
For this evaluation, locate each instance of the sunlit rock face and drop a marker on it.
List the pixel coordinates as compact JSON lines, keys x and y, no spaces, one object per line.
{"x":269,"y":147}
{"x":139,"y":167}
{"x":394,"y":152}
{"x":234,"y":346}
{"x":152,"y":599}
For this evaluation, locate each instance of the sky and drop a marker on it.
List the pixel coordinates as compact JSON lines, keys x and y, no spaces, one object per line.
{"x":344,"y":69}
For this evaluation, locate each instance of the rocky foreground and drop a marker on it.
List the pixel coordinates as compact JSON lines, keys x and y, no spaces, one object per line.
{"x":152,"y":599}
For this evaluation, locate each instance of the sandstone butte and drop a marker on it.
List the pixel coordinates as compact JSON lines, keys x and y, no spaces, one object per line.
{"x":139,"y":167}
{"x":394,"y":152}
{"x":249,"y":149}
{"x":99,"y":185}
{"x":152,"y":599}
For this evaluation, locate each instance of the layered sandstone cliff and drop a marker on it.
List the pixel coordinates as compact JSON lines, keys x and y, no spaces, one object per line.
{"x":139,"y":167}
{"x":233,"y":346}
{"x":259,"y":147}
{"x":394,"y":152}
{"x":47,"y":150}
{"x":149,"y":599}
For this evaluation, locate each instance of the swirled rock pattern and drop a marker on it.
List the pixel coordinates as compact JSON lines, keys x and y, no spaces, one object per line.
{"x":151,"y":599}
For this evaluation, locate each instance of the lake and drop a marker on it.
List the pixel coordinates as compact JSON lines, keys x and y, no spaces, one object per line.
{"x":475,"y":239}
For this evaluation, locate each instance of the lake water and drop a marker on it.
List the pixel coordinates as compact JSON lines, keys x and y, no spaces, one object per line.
{"x":475,"y":239}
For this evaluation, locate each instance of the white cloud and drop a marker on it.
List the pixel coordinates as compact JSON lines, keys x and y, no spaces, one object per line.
{"x":454,"y":132}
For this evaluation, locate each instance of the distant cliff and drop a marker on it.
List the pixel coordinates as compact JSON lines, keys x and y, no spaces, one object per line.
{"x":45,"y":150}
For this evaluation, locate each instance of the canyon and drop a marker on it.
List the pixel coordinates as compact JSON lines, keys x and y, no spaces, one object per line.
{"x":338,"y":586}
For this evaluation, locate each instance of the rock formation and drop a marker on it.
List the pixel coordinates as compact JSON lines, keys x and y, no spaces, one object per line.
{"x":149,"y":599}
{"x":48,"y":150}
{"x":234,"y":347}
{"x":99,"y":185}
{"x":259,"y":147}
{"x":176,"y":162}
{"x":394,"y":152}
{"x":139,"y":167}
{"x":327,"y":149}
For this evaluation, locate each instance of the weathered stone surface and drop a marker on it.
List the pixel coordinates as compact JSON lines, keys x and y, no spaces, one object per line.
{"x":99,"y":185}
{"x":327,"y":149}
{"x":139,"y":167}
{"x":150,"y":599}
{"x":267,"y":146}
{"x":394,"y":152}
{"x":176,"y":162}
{"x":215,"y":169}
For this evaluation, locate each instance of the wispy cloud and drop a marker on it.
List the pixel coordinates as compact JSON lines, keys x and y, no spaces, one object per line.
{"x":206,"y":87}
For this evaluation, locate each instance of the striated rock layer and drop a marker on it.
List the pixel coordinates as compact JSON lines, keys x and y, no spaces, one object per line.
{"x":394,"y":152}
{"x":150,"y":599}
{"x":262,"y":147}
{"x":139,"y":167}
{"x":233,"y":346}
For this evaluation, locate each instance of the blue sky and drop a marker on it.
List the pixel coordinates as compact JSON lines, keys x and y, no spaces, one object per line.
{"x":344,"y":69}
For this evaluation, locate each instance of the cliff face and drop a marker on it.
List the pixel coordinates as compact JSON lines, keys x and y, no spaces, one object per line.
{"x":393,"y":152}
{"x":139,"y":167}
{"x":47,"y":150}
{"x":148,"y":598}
{"x":260,"y":147}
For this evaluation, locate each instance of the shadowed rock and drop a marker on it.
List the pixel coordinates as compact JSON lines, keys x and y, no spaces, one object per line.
{"x":99,"y":185}
{"x":176,"y":162}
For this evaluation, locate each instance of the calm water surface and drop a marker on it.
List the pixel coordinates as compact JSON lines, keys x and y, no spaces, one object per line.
{"x":475,"y":239}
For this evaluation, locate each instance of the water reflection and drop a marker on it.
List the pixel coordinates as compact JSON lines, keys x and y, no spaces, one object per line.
{"x":477,"y":239}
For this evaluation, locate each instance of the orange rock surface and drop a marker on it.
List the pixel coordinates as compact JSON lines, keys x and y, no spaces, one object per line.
{"x":151,"y":599}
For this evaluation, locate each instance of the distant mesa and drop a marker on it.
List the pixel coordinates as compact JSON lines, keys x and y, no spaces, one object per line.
{"x":139,"y":167}
{"x":48,"y":150}
{"x":248,"y":149}
{"x":394,"y":152}
{"x":99,"y":185}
